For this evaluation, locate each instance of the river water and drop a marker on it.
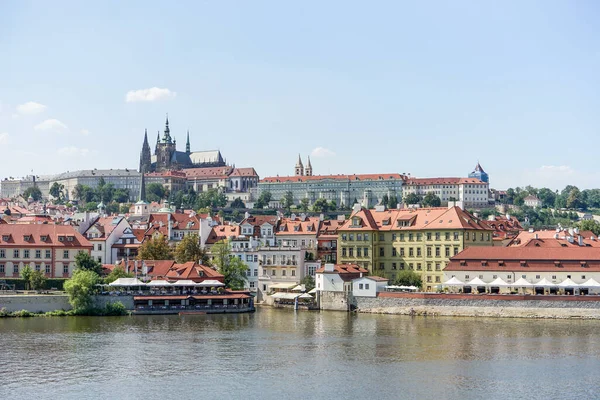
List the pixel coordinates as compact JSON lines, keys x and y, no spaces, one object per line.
{"x":281,"y":354}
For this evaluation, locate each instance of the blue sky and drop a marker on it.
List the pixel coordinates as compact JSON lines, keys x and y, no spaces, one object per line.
{"x":365,"y":87}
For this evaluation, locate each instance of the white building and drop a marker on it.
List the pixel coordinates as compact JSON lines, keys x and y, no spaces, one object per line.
{"x":368,"y":286}
{"x":103,"y":234}
{"x":337,"y":278}
{"x":532,"y":201}
{"x":471,"y":192}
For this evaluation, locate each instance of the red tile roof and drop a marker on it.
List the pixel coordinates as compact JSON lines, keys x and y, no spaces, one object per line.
{"x":16,"y":236}
{"x":244,"y":172}
{"x":221,"y":232}
{"x":309,"y":226}
{"x":208,"y":173}
{"x":360,"y":177}
{"x":344,"y":269}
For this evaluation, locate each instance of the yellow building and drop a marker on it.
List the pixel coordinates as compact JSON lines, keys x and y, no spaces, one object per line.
{"x":422,"y":240}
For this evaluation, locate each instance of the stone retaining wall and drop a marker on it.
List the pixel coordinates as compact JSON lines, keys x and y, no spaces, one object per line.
{"x":486,"y":306}
{"x":35,"y":303}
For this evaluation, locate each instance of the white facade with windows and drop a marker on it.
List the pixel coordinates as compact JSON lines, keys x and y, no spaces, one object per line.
{"x":368,"y":286}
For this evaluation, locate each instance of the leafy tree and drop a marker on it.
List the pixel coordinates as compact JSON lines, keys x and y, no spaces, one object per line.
{"x":392,"y":202}
{"x":408,"y":278}
{"x":412,"y":198}
{"x":155,"y":248}
{"x":78,"y":192}
{"x":574,"y":199}
{"x":106,"y":192}
{"x":288,"y":201}
{"x":56,"y":191}
{"x":112,"y":208}
{"x":80,"y":289}
{"x":308,"y":282}
{"x":91,"y":206}
{"x":304,"y":204}
{"x":320,"y":205}
{"x":37,"y":280}
{"x":116,"y":273}
{"x":547,"y":196}
{"x":385,"y":200}
{"x":233,"y":269}
{"x":121,"y":195}
{"x":84,"y":261}
{"x":34,"y":192}
{"x":212,"y":198}
{"x":238,"y":203}
{"x":26,"y":273}
{"x":155,"y":192}
{"x":263,"y":200}
{"x":101,"y":182}
{"x":189,"y":250}
{"x":332,"y":205}
{"x":431,"y":200}
{"x":590,"y":225}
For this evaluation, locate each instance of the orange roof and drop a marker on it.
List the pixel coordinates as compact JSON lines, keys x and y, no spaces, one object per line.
{"x":208,"y":173}
{"x":524,"y":237}
{"x":525,"y":259}
{"x":345,"y":269}
{"x":288,"y":226}
{"x":244,"y":172}
{"x":194,"y":271}
{"x":412,"y":219}
{"x":16,"y":235}
{"x":170,"y":173}
{"x":361,"y":177}
{"x":221,"y":232}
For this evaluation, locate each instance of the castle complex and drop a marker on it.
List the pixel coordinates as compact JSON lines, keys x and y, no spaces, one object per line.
{"x":167,"y":157}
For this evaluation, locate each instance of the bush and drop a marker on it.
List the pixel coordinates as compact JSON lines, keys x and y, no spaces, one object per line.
{"x":58,"y":313}
{"x":50,"y":283}
{"x":114,"y":309}
{"x":23,"y":313}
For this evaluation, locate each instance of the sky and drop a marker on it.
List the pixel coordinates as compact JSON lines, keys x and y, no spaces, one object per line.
{"x":426,"y":88}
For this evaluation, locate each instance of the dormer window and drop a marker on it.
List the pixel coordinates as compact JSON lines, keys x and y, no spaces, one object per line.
{"x":501,"y":263}
{"x":6,"y":238}
{"x":296,"y":228}
{"x":61,"y":238}
{"x":26,"y":238}
{"x":43,"y":238}
{"x":70,"y":238}
{"x":483,"y":263}
{"x":523,"y":263}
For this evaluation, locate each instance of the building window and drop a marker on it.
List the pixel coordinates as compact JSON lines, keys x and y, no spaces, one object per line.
{"x":428,"y":278}
{"x":402,"y":237}
{"x":283,"y":273}
{"x":428,"y":266}
{"x":418,"y":266}
{"x":437,"y":236}
{"x":381,"y":252}
{"x":447,"y":236}
{"x":418,"y":252}
{"x":437,"y":279}
{"x":360,"y":286}
{"x":99,"y":246}
{"x":447,"y":251}
{"x":410,"y":266}
{"x":394,"y":252}
{"x":437,"y":251}
{"x":344,"y":236}
{"x":402,"y":252}
{"x":2,"y":253}
{"x":358,"y":252}
{"x":553,"y":276}
{"x":428,"y":235}
{"x":65,"y":254}
{"x":264,"y":288}
{"x":293,"y":272}
{"x":402,"y":266}
{"x":15,"y":269}
{"x":429,"y":252}
{"x":393,"y":237}
{"x":351,"y":237}
{"x":366,"y":251}
{"x":16,"y":253}
{"x":47,"y":269}
{"x":1,"y":268}
{"x":410,"y":252}
{"x":466,"y":235}
{"x":343,"y":252}
{"x":25,"y":253}
{"x":366,"y":286}
{"x":410,"y":237}
{"x":38,"y":254}
{"x":466,"y":277}
{"x":455,"y":235}
{"x":394,"y":265}
{"x":256,"y":272}
{"x":274,"y":272}
{"x":455,"y":250}
{"x":381,"y":237}
{"x":418,"y":237}
{"x":48,"y":254}
{"x":381,"y":265}
{"x":437,"y":267}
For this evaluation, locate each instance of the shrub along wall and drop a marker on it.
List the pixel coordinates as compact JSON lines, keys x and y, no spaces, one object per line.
{"x":50,"y":283}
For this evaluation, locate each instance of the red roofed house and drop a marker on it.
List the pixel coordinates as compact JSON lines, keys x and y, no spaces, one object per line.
{"x":45,"y":247}
{"x":531,"y":264}
{"x":103,"y":233}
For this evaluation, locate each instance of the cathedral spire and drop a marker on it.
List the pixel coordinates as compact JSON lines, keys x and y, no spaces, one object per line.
{"x":167,"y":136}
{"x":308,"y":170}
{"x":187,"y":143}
{"x":299,"y":167}
{"x":145,"y":155}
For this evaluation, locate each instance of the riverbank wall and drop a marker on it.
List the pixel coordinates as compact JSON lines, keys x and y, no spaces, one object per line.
{"x":41,"y":303}
{"x":465,"y":305}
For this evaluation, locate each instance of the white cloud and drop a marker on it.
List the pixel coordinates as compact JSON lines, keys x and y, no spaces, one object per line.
{"x":4,"y":138}
{"x":51,"y":125}
{"x":151,"y":94}
{"x":556,"y":169}
{"x":31,"y":108}
{"x":72,"y":151}
{"x":322,"y":152}
{"x":85,"y":132}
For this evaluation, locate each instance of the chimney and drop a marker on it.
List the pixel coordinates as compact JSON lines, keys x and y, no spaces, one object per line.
{"x":580,"y":240}
{"x":329,"y":267}
{"x":536,"y":236}
{"x":321,"y":217}
{"x":356,"y":207}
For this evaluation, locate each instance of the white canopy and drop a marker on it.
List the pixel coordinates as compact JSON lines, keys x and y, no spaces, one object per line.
{"x":305,"y":296}
{"x":522,"y":282}
{"x":498,"y":282}
{"x":158,"y":282}
{"x":312,"y":291}
{"x":286,"y":296}
{"x":590,"y":283}
{"x":568,"y":283}
{"x":210,"y":283}
{"x":299,"y":288}
{"x":454,"y":281}
{"x":545,"y":283}
{"x":476,"y":282}
{"x":282,"y":285}
{"x":184,"y":282}
{"x":122,"y":282}
{"x":412,"y":288}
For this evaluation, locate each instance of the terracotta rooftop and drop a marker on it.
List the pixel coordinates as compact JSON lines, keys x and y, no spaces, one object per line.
{"x":33,"y":235}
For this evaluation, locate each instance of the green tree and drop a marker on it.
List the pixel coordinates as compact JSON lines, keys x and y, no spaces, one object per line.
{"x":116,"y":273}
{"x":37,"y":280}
{"x":124,"y":208}
{"x":121,"y":195}
{"x":304,"y":204}
{"x":56,"y":191}
{"x":408,"y":278}
{"x":155,"y":192}
{"x":412,"y":198}
{"x":385,"y":200}
{"x":106,"y":192}
{"x":34,"y":192}
{"x":590,"y":225}
{"x":392,"y":202}
{"x":188,"y":249}
{"x":574,"y":199}
{"x":155,"y":248}
{"x":26,"y":273}
{"x":431,"y":200}
{"x":112,"y":208}
{"x":332,"y":205}
{"x":80,"y":289}
{"x":91,"y":206}
{"x":238,"y":203}
{"x":320,"y":205}
{"x":212,"y":198}
{"x":78,"y":192}
{"x":547,"y":196}
{"x":84,"y":261}
{"x":263,"y":200}
{"x":308,"y":282}
{"x":233,"y":269}
{"x":288,"y":201}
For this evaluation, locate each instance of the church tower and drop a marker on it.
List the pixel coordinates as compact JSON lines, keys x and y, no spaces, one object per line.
{"x":299,"y":167}
{"x":308,"y":171}
{"x":165,"y":150}
{"x":187,"y":144}
{"x":145,"y":156}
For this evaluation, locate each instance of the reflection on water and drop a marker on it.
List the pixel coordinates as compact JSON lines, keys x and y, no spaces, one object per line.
{"x":276,"y":354}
